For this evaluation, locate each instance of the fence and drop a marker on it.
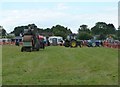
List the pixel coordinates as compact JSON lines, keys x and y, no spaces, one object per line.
{"x":9,"y":43}
{"x":111,"y":45}
{"x":115,"y":45}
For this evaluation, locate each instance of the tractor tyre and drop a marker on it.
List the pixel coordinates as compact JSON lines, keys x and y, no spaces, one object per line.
{"x":37,"y":49}
{"x":93,"y":44}
{"x":43,"y":46}
{"x":79,"y":43}
{"x":22,"y":49}
{"x":73,"y":43}
{"x":30,"y":49}
{"x":67,"y":43}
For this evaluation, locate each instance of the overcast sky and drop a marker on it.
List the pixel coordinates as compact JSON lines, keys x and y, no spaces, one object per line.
{"x":48,"y":13}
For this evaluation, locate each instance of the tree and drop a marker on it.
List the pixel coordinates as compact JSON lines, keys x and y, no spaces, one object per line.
{"x":32,"y":26}
{"x":110,"y":29}
{"x":45,"y":32}
{"x":84,"y":36}
{"x":59,"y":30}
{"x":4,"y":32}
{"x":103,"y":28}
{"x":83,"y":28}
{"x":84,"y":33}
{"x":10,"y":36}
{"x":99,"y":28}
{"x":40,"y":30}
{"x":20,"y":29}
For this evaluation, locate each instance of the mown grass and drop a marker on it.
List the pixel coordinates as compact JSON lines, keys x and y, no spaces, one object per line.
{"x":60,"y":66}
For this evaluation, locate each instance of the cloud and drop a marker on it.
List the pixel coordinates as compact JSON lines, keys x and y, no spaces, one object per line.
{"x":60,"y":0}
{"x":62,"y":6}
{"x":18,"y":17}
{"x":62,"y":14}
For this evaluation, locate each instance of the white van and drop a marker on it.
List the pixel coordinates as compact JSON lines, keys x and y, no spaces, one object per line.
{"x":59,"y":39}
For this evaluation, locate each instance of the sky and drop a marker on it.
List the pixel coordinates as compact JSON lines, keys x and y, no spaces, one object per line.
{"x":48,"y":13}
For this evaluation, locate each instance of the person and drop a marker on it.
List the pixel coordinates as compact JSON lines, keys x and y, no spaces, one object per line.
{"x":17,"y":43}
{"x":61,"y":43}
{"x":47,"y":41}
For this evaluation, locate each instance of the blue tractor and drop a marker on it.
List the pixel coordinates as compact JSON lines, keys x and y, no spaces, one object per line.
{"x":94,"y":43}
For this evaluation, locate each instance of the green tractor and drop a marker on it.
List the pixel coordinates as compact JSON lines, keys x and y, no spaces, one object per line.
{"x":30,"y":40}
{"x":72,"y":41}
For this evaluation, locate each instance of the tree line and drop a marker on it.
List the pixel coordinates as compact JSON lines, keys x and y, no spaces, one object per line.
{"x":100,"y":31}
{"x":57,"y":30}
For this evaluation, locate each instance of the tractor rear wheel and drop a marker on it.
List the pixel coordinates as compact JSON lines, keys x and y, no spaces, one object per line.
{"x":73,"y":43}
{"x":30,"y":50}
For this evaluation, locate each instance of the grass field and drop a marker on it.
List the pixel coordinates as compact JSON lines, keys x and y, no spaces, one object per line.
{"x":60,"y":66}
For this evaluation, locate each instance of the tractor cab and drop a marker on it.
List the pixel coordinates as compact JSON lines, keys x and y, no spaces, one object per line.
{"x":72,"y":37}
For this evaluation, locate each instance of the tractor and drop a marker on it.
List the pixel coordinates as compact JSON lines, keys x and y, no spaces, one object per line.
{"x":30,"y":40}
{"x":72,"y":41}
{"x":94,"y":43}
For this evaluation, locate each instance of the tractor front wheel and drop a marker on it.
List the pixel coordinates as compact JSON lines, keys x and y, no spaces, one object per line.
{"x":67,"y":43}
{"x":22,"y":49}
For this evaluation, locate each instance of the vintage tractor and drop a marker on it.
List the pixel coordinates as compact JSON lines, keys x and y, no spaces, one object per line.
{"x":30,"y":41}
{"x":94,"y":43}
{"x":72,"y":41}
